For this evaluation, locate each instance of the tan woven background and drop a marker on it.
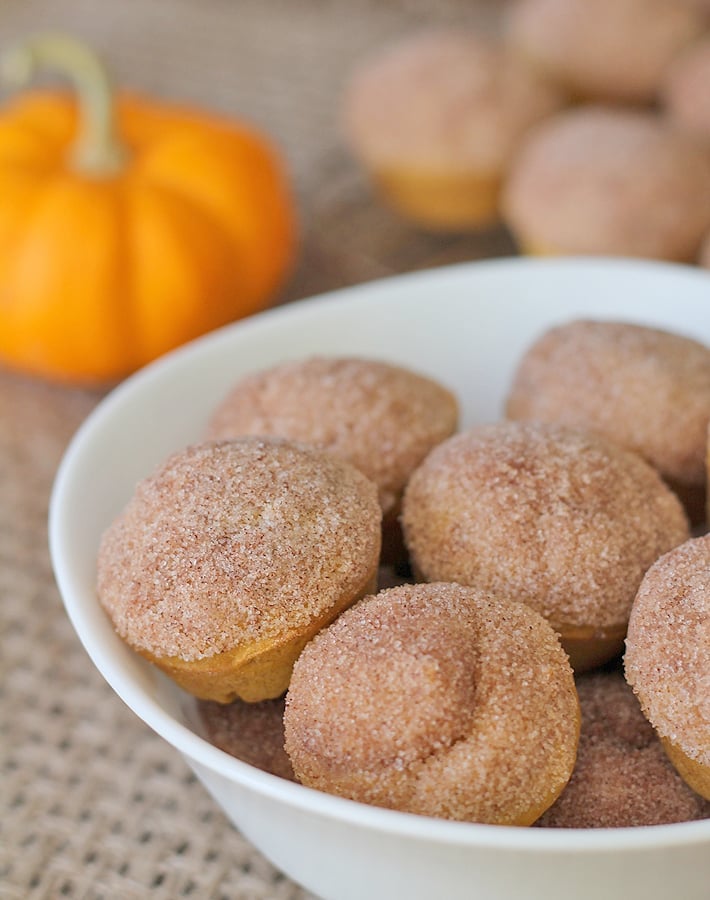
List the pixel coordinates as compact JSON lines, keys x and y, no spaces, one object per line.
{"x":92,"y":804}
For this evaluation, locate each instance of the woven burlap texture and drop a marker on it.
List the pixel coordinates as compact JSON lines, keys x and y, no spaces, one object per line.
{"x":92,"y":804}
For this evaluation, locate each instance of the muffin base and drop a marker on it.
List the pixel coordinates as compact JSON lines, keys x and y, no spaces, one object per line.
{"x":259,"y":671}
{"x":693,"y":773}
{"x":440,"y":201}
{"x":530,"y":247}
{"x":589,"y":647}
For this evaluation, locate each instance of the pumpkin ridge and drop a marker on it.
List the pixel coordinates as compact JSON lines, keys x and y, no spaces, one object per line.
{"x":16,"y":234}
{"x":203,"y":210}
{"x":30,"y":112}
{"x":47,"y":336}
{"x":23,"y":231}
{"x":174,"y":190}
{"x":125,"y":288}
{"x":217,"y":307}
{"x":24,"y":149}
{"x":261,"y":207}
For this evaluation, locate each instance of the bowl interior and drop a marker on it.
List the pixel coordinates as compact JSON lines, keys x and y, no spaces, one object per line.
{"x":466,"y":326}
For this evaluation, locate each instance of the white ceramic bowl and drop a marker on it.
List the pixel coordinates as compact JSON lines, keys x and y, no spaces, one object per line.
{"x":467,"y":326}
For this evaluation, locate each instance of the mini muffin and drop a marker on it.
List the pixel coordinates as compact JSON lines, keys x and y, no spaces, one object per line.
{"x":553,"y":517}
{"x":436,"y":119}
{"x":622,"y":777}
{"x":252,"y":732}
{"x":438,"y":700}
{"x":668,"y":657}
{"x":615,"y":182}
{"x":646,"y":389}
{"x":381,"y":418}
{"x":232,"y":555}
{"x":684,"y":92}
{"x":615,"y":50}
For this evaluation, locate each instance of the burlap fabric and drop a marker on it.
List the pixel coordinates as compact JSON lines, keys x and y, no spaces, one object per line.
{"x":92,"y":804}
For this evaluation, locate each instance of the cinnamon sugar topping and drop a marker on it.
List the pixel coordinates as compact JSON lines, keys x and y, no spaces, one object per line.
{"x":545,"y":515}
{"x":252,"y":732}
{"x":668,"y":647}
{"x":622,"y":776}
{"x":435,"y":699}
{"x":645,"y":389}
{"x":381,"y":418}
{"x":233,"y":542}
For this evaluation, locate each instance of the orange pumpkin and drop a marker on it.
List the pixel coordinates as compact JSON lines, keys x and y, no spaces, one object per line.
{"x":127,"y":226}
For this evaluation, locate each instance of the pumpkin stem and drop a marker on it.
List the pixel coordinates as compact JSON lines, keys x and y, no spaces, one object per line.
{"x":97,"y":150}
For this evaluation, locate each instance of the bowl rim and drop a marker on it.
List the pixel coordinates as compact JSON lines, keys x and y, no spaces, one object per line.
{"x":299,"y":797}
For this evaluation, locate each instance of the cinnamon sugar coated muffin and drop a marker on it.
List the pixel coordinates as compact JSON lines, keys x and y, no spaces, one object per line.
{"x":684,"y":92}
{"x":252,"y":732}
{"x":436,"y":119}
{"x":612,"y":50}
{"x":438,"y":700}
{"x":622,"y":777}
{"x":667,"y":657}
{"x":232,"y":555}
{"x":553,"y":517}
{"x":609,"y":181}
{"x":381,"y":418}
{"x":646,"y":389}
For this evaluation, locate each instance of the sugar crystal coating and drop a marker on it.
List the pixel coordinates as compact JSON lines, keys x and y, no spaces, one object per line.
{"x":231,"y":542}
{"x":546,"y":515}
{"x":381,"y":418}
{"x":644,"y":388}
{"x":435,"y":699}
{"x":622,"y":777}
{"x":667,"y":657}
{"x":252,"y":732}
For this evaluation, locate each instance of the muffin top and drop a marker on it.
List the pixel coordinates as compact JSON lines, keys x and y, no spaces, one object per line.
{"x":644,"y":388}
{"x":668,"y":647}
{"x":435,"y":699}
{"x":444,"y":99}
{"x":231,"y":542}
{"x":381,"y":418}
{"x":550,"y":516}
{"x":605,"y":50}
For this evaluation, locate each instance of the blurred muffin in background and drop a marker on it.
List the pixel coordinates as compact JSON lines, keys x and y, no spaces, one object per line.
{"x":614,"y":50}
{"x":609,"y":181}
{"x":436,"y":119}
{"x":684,"y":91}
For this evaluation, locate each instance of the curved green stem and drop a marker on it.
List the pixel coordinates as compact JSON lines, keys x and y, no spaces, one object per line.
{"x":97,"y":150}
